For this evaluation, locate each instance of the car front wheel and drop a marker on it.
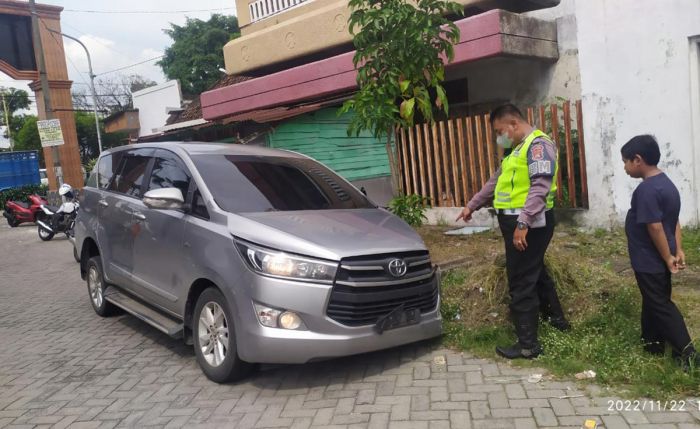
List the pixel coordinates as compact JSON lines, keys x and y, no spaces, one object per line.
{"x":215,"y":339}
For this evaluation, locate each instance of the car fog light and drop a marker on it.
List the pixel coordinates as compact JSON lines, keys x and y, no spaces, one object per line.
{"x":267,"y":316}
{"x":290,"y":320}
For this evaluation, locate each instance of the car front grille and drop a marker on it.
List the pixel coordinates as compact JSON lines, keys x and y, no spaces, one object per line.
{"x":365,"y":290}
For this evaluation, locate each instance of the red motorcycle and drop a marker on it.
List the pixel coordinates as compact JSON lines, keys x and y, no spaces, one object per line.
{"x":17,"y":212}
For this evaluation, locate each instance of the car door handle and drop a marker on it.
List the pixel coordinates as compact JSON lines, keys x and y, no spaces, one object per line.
{"x":139,"y":215}
{"x":103,"y":203}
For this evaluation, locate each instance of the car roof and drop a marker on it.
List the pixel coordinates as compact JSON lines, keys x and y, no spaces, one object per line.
{"x":203,"y":148}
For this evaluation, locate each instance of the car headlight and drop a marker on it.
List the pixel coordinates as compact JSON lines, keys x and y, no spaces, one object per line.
{"x":280,"y":264}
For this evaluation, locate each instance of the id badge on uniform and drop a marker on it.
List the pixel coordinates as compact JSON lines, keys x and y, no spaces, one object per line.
{"x":539,"y":221}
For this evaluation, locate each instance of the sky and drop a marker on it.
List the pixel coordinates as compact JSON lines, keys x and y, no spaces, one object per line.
{"x":117,"y":40}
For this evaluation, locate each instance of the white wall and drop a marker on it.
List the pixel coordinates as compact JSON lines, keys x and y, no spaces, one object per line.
{"x":635,"y":62}
{"x":153,"y":104}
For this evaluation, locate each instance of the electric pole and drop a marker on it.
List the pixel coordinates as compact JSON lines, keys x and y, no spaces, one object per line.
{"x":45,"y":91}
{"x":7,"y":121}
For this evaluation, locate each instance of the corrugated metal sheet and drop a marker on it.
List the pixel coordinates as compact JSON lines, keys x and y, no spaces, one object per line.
{"x":323,"y":136}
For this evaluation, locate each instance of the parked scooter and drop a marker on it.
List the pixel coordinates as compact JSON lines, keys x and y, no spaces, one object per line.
{"x":17,"y":212}
{"x":53,"y":220}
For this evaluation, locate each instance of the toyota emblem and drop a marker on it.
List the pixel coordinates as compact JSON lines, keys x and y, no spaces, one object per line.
{"x":397,"y":267}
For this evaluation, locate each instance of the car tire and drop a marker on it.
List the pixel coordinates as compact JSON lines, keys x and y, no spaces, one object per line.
{"x":96,"y":286}
{"x":215,"y":339}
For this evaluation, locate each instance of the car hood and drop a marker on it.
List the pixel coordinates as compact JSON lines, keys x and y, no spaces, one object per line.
{"x":328,"y":234}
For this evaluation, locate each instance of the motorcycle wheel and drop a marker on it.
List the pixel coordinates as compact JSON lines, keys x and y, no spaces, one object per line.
{"x":75,"y":255}
{"x":13,"y":222}
{"x":45,"y":234}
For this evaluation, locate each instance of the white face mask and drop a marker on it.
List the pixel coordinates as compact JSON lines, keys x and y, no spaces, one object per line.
{"x":504,"y":141}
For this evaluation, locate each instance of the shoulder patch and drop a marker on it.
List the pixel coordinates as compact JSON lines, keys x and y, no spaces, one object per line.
{"x":537,"y":152}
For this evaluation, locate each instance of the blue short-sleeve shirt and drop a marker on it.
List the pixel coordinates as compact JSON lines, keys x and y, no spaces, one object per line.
{"x":656,"y":199}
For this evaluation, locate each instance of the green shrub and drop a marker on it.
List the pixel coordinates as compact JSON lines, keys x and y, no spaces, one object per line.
{"x":21,"y":193}
{"x":90,"y":165}
{"x":410,"y":208}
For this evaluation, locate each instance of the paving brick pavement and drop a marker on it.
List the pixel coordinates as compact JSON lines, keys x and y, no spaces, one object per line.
{"x":62,"y":366}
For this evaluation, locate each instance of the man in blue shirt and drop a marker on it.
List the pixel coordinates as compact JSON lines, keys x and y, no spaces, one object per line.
{"x":655,"y":249}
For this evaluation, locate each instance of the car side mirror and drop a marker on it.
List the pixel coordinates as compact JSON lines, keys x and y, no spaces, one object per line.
{"x":164,"y":199}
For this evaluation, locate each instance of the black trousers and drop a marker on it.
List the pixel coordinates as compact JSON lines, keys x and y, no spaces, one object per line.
{"x":529,"y":283}
{"x":661,"y":320}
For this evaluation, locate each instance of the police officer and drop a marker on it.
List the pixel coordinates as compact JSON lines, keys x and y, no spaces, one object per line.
{"x":522,"y":191}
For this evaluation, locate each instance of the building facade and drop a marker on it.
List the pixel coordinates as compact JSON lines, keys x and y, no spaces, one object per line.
{"x":634,"y":64}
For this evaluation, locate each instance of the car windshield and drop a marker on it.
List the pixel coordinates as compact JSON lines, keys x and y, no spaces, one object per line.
{"x":247,"y":184}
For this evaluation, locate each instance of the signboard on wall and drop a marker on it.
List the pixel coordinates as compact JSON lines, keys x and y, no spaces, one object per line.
{"x":50,"y":132}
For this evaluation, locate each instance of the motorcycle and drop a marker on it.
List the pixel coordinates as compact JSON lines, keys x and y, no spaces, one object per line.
{"x":53,"y":220}
{"x":17,"y":212}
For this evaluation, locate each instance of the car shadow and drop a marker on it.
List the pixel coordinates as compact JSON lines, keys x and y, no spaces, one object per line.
{"x":348,"y":369}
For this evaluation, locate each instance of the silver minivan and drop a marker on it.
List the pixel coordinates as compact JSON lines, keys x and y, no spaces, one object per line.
{"x":252,"y":255}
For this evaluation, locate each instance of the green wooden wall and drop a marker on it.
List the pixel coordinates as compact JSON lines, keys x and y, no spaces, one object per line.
{"x":323,"y":136}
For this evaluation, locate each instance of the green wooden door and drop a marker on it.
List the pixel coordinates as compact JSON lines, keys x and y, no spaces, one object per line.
{"x":323,"y":136}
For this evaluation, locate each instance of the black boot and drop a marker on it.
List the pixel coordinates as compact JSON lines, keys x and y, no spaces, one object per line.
{"x":689,"y":359}
{"x":560,"y":323}
{"x":527,"y":346}
{"x":654,"y":347}
{"x":550,"y":307}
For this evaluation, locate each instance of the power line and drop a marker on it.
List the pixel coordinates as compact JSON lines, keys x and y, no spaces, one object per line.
{"x":149,"y":11}
{"x":131,"y":65}
{"x":109,"y":47}
{"x":95,"y":39}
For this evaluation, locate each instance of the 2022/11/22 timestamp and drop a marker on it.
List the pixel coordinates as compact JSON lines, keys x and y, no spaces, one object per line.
{"x":649,"y":405}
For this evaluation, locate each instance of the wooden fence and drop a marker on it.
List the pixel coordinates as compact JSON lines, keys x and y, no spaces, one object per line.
{"x":449,"y":161}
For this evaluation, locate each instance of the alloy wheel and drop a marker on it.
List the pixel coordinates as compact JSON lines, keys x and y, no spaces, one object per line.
{"x":212,"y":330}
{"x":95,"y":286}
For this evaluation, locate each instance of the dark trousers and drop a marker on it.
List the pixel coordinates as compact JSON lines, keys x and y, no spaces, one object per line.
{"x":529,"y":283}
{"x":661,"y":320}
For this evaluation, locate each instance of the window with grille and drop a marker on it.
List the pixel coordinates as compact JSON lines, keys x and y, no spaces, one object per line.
{"x":261,"y":9}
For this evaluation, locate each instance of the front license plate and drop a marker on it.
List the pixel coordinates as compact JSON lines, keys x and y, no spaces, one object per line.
{"x":397,"y":319}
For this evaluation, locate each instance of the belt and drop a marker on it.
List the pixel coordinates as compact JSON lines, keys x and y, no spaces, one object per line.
{"x":514,"y":212}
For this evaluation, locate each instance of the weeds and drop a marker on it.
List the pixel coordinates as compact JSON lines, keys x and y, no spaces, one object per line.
{"x":600,"y":298}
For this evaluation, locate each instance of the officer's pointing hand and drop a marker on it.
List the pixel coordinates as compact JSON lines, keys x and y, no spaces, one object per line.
{"x":466,"y":214}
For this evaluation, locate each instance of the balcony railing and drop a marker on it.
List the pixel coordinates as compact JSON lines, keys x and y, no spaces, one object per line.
{"x":261,"y":9}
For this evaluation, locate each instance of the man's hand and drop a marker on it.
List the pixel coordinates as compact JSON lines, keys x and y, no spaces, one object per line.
{"x":672,"y":264}
{"x":680,"y":259}
{"x":519,"y":239}
{"x":465,"y":214}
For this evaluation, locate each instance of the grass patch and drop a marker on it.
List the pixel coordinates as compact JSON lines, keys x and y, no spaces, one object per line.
{"x":599,"y":295}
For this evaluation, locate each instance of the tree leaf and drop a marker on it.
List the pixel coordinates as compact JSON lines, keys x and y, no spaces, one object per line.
{"x":407,"y":107}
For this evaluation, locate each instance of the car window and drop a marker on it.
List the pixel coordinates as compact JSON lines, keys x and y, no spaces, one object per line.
{"x":42,"y":174}
{"x":169,"y":172}
{"x":199,"y":207}
{"x":105,"y":170}
{"x":244,"y":184}
{"x":131,"y":173}
{"x":91,"y":181}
